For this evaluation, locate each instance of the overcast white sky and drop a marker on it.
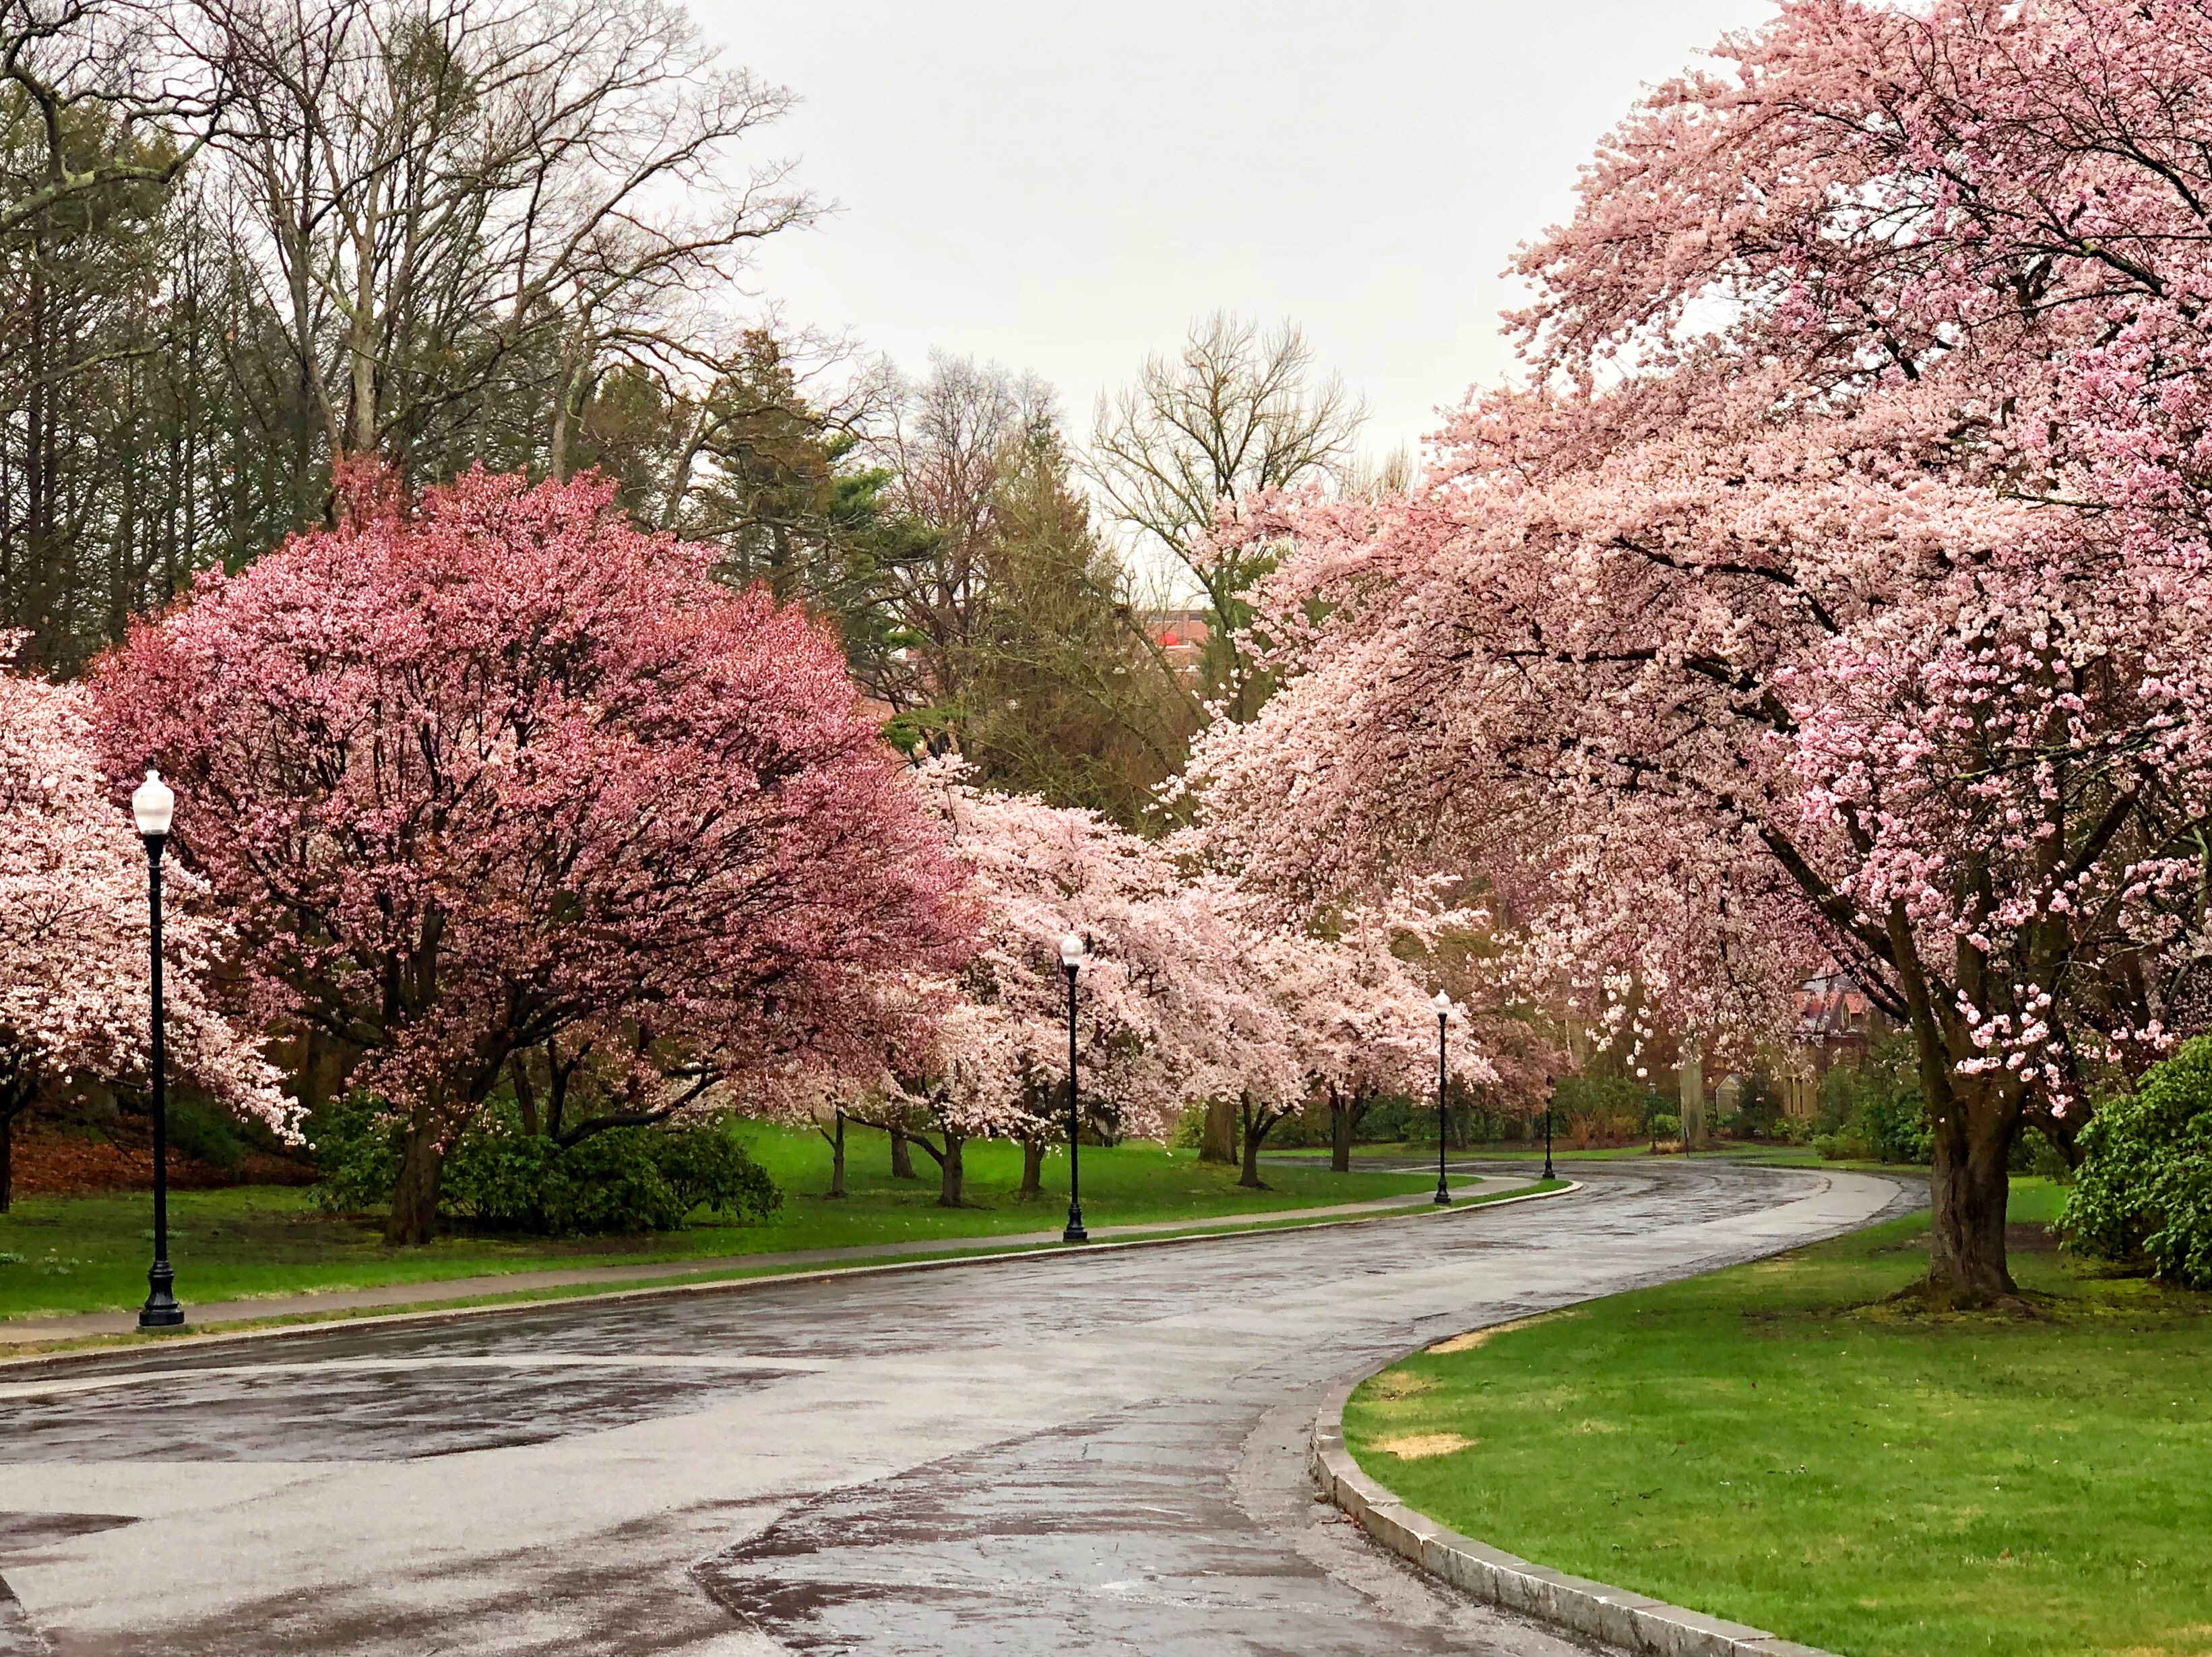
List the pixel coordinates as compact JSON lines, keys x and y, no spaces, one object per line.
{"x":1061,"y":185}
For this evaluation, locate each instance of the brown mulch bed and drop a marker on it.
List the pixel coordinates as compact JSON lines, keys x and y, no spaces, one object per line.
{"x":2030,"y":1238}
{"x":53,"y":1164}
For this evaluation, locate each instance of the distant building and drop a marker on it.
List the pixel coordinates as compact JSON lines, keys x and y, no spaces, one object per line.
{"x":1181,"y":637}
{"x":1836,"y":1021}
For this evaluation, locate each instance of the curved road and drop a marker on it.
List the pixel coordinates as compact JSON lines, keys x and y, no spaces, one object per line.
{"x":1095,"y":1452}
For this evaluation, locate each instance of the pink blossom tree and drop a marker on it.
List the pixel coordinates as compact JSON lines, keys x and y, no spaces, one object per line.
{"x":499,"y":773}
{"x":1838,"y":590}
{"x":992,"y":1060}
{"x":73,"y":931}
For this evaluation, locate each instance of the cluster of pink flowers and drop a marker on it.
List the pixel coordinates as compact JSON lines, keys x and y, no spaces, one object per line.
{"x":74,"y":922}
{"x":1837,"y":590}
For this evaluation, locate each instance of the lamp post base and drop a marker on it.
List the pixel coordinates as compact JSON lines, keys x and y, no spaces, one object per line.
{"x":161,"y":1310}
{"x":1075,"y":1233}
{"x":1443,"y":1196}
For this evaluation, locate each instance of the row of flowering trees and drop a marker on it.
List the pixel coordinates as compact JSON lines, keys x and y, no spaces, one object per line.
{"x":487,"y":790}
{"x":1838,"y":588}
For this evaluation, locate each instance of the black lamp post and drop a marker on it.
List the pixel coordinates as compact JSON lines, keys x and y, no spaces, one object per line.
{"x":1547,"y":1136}
{"x":1444,"y":1012}
{"x":1071,"y":957}
{"x":151,"y":806}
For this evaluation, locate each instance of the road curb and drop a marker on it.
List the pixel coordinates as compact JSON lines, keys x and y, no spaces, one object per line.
{"x":1634,"y":1622}
{"x":1055,"y":1252}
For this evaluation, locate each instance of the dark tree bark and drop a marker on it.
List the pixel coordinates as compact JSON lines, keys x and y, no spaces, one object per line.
{"x":7,"y":1160}
{"x":414,"y":1217}
{"x":1969,"y":1186}
{"x":836,"y":1156}
{"x":1257,"y":1121}
{"x":902,"y":1157}
{"x":526,"y":1096}
{"x":1346,"y":1112}
{"x":951,"y":1167}
{"x":1032,"y":1169}
{"x":1218,"y":1142}
{"x":952,"y":1186}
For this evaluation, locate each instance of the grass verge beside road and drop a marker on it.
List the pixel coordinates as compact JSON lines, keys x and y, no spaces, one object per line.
{"x":88,"y":1253}
{"x":1781,"y":1444}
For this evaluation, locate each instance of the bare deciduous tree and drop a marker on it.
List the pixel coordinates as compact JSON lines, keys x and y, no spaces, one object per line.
{"x":1238,"y":409}
{"x":468,"y":209}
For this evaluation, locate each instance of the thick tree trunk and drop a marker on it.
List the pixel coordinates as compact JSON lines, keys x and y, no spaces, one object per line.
{"x":1693,"y":1096}
{"x":7,"y":1161}
{"x":838,"y":1159}
{"x":1341,"y":1122}
{"x":1032,"y":1169}
{"x":952,"y":1179}
{"x":1218,"y":1143}
{"x":1969,"y":1186}
{"x":902,"y":1157}
{"x":1256,"y":1135}
{"x":414,"y":1196}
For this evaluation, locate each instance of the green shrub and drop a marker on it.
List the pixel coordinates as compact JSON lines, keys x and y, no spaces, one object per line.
{"x":204,"y":1130}
{"x":356,"y":1142}
{"x":2145,"y":1183}
{"x":1664,"y":1126}
{"x":498,"y":1177}
{"x":1873,"y":1113}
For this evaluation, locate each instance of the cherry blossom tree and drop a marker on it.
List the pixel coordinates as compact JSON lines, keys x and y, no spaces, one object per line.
{"x":991,"y":1057}
{"x":73,"y":931}
{"x":497,"y":773}
{"x":1363,"y":1019}
{"x":1837,"y":589}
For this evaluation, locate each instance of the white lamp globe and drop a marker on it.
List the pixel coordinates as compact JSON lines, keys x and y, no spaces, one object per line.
{"x":1071,"y":950}
{"x":152,"y":805}
{"x":1442,"y":1004}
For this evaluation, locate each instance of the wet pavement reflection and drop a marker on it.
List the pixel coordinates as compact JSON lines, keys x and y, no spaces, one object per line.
{"x":809,"y":1477}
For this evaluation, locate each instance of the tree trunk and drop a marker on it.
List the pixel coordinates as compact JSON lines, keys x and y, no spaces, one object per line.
{"x":902,"y":1157}
{"x":1256,"y":1135}
{"x":1032,"y":1169}
{"x":953,"y":1176}
{"x":7,"y":1161}
{"x":838,"y":1159}
{"x":1969,"y":1184}
{"x":1218,"y":1143}
{"x":526,"y":1096}
{"x":415,"y":1195}
{"x":1693,"y":1096}
{"x":1340,"y":1126}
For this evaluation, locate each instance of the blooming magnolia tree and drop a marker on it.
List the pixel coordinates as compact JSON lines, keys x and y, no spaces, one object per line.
{"x":73,"y":931}
{"x":1838,"y":591}
{"x":500,"y":774}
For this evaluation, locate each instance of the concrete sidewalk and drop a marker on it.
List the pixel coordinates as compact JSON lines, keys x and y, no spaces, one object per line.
{"x":25,"y":1332}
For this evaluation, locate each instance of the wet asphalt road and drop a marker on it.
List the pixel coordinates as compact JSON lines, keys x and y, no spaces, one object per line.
{"x":1099,"y":1452}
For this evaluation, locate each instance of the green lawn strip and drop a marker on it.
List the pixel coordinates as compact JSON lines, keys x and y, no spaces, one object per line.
{"x":576,"y":1291}
{"x":1510,"y":1151}
{"x":1777,"y":1444}
{"x":88,"y":1254}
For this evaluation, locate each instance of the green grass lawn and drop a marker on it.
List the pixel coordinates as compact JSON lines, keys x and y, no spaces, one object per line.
{"x":1507,"y":1150}
{"x":1776,"y":1444}
{"x":89,"y":1253}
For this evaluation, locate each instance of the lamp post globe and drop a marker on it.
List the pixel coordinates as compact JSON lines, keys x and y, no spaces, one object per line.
{"x":1071,"y":957}
{"x":151,"y":807}
{"x":1444,"y":1006}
